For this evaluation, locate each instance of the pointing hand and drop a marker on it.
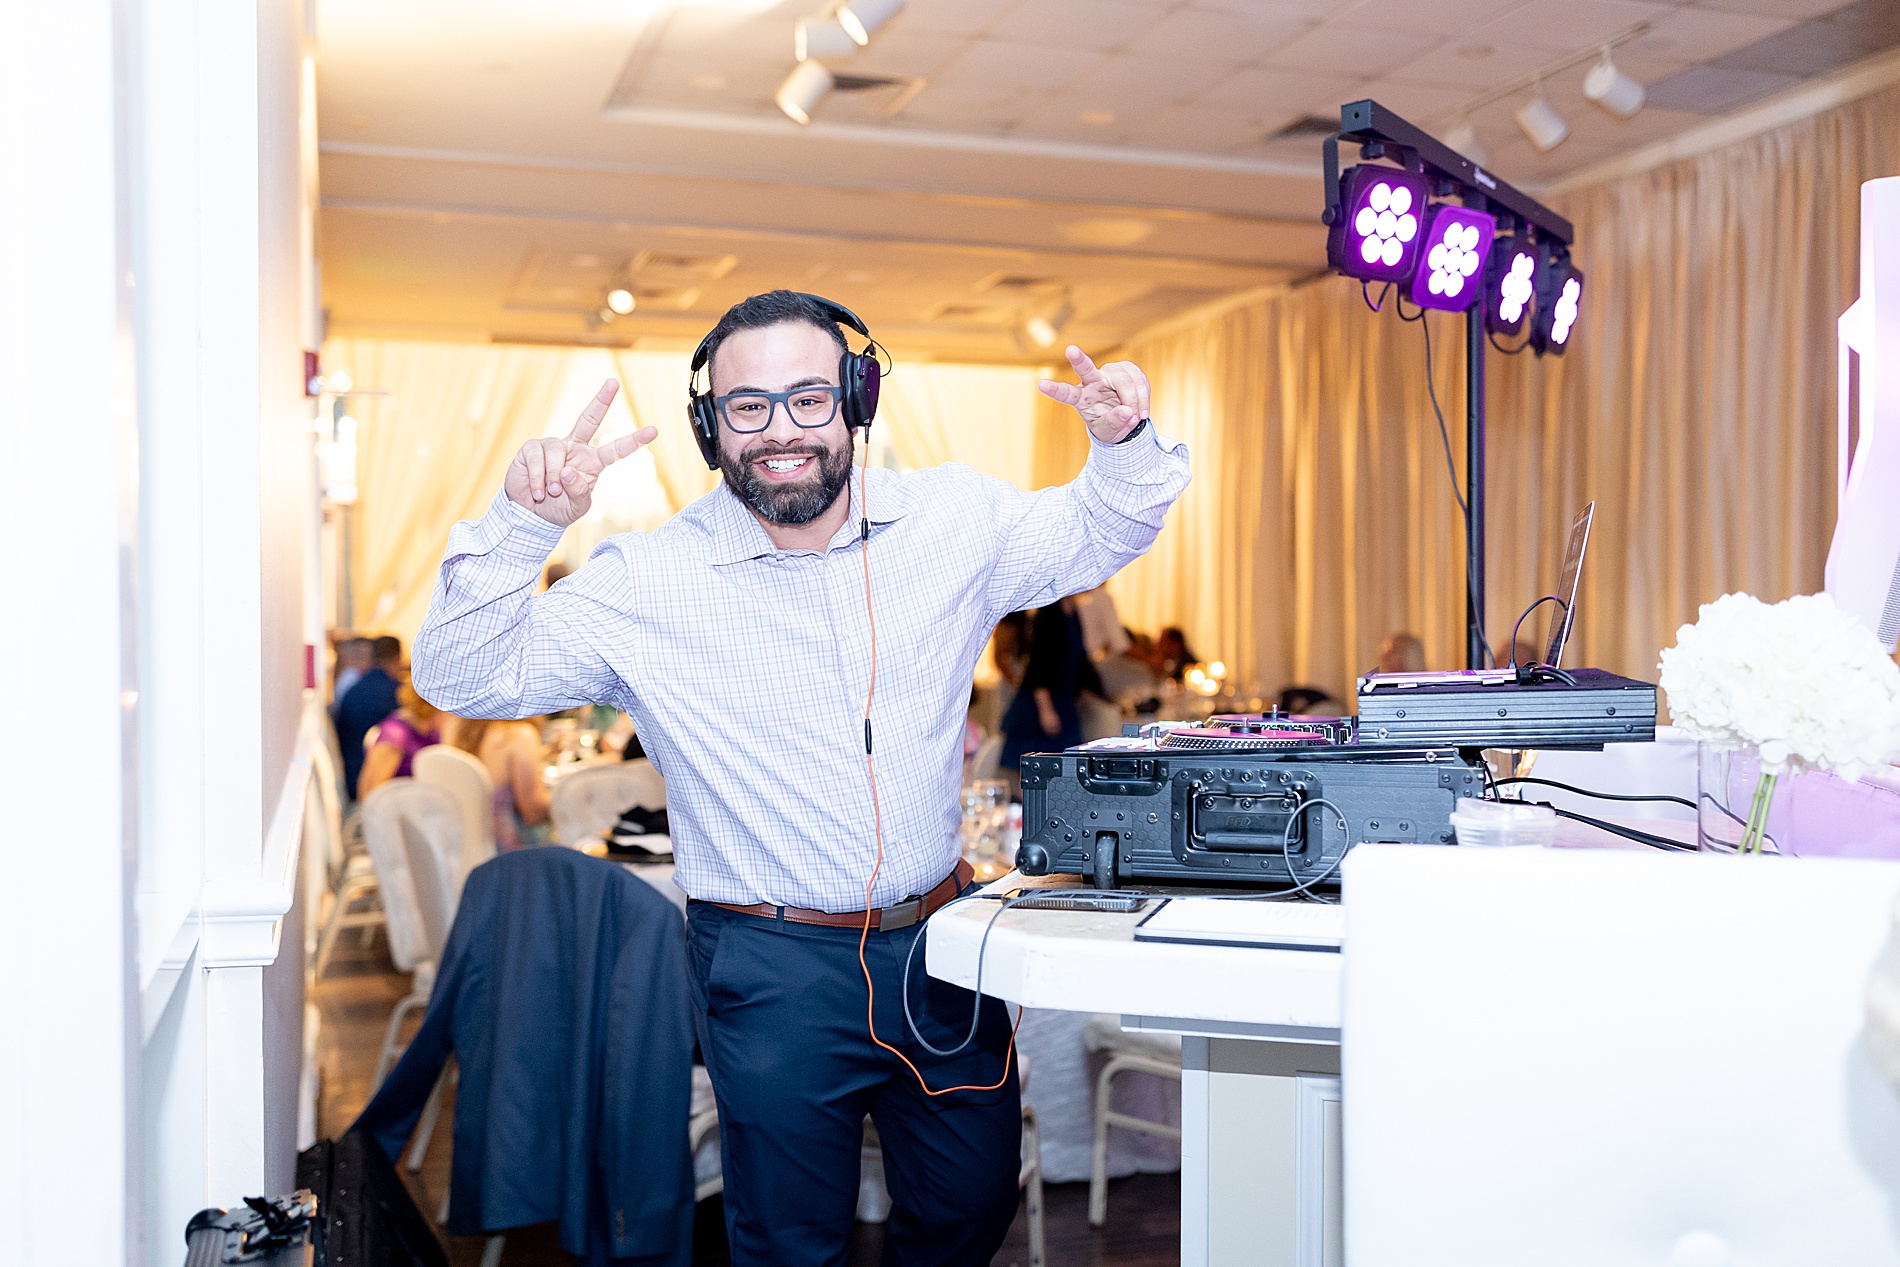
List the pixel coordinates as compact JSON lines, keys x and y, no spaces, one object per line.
{"x":1111,"y":399}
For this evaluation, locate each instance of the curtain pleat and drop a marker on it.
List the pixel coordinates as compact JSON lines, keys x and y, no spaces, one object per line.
{"x":1696,"y":407}
{"x":430,"y":452}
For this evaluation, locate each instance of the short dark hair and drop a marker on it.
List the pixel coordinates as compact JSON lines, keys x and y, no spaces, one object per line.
{"x":387,"y":649}
{"x":773,"y":308}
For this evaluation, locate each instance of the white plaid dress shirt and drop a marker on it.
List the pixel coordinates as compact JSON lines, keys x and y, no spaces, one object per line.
{"x":744,"y":667}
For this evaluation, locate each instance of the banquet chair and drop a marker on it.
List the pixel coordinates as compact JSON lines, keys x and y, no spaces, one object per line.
{"x":467,"y":780}
{"x":413,"y":831}
{"x":352,"y":880}
{"x":1158,"y":1054}
{"x":586,"y":803}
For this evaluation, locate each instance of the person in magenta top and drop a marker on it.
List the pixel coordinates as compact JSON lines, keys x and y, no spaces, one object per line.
{"x":414,"y":725}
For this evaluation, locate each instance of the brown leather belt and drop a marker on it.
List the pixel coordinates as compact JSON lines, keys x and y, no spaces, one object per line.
{"x":884,"y":920}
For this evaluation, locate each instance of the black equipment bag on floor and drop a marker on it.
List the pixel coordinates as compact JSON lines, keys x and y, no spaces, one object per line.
{"x":365,"y":1216}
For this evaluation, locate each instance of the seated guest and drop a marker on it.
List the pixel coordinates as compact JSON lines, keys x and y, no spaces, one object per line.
{"x":1402,"y":653}
{"x":414,"y":725}
{"x":354,"y":656}
{"x":511,"y":751}
{"x":369,"y":700}
{"x":1172,"y":654}
{"x":1129,"y":675}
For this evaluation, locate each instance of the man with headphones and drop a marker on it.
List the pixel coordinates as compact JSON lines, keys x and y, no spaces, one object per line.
{"x":796,"y":649}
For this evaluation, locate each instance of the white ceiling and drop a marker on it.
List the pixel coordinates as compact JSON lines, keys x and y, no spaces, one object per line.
{"x":489,"y":170}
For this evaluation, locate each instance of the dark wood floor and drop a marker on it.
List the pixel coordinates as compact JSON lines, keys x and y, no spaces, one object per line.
{"x":361,"y":987}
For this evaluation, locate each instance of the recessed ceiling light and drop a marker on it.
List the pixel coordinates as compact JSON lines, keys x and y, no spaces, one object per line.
{"x":1097,"y":118}
{"x":1474,"y":52}
{"x":707,"y":80}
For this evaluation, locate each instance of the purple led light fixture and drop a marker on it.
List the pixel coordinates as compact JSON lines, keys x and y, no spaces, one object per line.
{"x":1377,"y":237}
{"x":1511,"y":282}
{"x":1456,"y":242}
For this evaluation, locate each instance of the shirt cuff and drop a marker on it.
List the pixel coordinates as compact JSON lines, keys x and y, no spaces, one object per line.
{"x":1146,"y":453}
{"x":516,"y":532}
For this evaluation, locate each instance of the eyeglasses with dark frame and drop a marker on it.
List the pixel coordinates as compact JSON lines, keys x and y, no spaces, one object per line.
{"x":751,"y":412}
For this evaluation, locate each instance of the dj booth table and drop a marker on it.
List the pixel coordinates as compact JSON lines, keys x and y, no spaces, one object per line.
{"x":1260,"y":1099}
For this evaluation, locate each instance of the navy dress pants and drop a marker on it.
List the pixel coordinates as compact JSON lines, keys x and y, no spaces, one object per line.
{"x":781,"y":1016}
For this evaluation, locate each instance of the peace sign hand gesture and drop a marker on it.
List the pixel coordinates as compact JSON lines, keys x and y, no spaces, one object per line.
{"x":555,"y":478}
{"x":1111,"y":399}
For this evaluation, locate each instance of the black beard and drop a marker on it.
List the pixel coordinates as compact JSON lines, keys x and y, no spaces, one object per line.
{"x":788,"y":504}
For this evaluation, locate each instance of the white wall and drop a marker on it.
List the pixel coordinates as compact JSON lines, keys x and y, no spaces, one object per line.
{"x":155,"y":286}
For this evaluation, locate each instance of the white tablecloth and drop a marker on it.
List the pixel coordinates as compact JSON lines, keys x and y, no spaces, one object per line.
{"x":1062,"y":1091}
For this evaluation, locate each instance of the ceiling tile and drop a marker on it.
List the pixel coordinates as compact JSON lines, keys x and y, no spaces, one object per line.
{"x":994,"y":62}
{"x":1136,"y":81}
{"x":1701,"y":35}
{"x":1269,"y":92}
{"x":1427,"y":105}
{"x":1215,"y":36}
{"x":1564,"y":26}
{"x":945,"y":104}
{"x":1060,"y":118}
{"x":1474,"y":67}
{"x":950,"y":17}
{"x":1311,"y":10}
{"x":1098,"y":24}
{"x":1438,"y":17}
{"x":902,"y":53}
{"x":1202,"y":128}
{"x":1360,"y":52}
{"x":695,"y":31}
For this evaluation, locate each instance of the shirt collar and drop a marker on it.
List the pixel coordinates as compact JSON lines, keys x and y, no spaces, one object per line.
{"x":737,"y":534}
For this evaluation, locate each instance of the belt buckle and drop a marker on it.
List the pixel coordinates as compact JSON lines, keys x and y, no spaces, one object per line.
{"x":903,"y":915}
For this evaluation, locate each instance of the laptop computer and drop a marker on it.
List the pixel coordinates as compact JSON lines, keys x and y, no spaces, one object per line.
{"x":1557,"y":627}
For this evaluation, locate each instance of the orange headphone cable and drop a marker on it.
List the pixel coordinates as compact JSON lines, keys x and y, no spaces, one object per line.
{"x":877,"y":816}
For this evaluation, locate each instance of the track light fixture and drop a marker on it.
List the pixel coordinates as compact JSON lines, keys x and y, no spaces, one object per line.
{"x":822,"y":37}
{"x":1541,"y":122}
{"x":620,"y":300}
{"x":803,"y":89}
{"x":862,"y":18}
{"x":1610,"y":88}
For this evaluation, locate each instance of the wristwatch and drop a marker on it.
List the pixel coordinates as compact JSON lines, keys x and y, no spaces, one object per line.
{"x":1139,"y":428}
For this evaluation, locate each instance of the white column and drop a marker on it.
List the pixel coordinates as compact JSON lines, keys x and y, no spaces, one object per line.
{"x":68,"y":1034}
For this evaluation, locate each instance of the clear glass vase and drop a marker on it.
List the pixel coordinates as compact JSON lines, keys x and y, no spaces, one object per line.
{"x":1728,"y":781}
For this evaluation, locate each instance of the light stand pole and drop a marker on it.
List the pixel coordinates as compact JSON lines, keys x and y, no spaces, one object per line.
{"x":1475,"y":652}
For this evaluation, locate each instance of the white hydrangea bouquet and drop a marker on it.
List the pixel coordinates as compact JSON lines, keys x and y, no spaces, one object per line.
{"x":1803,"y":683}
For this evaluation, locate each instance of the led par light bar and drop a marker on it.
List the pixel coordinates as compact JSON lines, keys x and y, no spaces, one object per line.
{"x":1457,"y":240}
{"x":1559,"y":302}
{"x":1512,"y":284}
{"x":1376,"y":238}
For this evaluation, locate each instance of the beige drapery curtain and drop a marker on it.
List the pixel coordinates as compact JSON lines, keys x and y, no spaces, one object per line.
{"x":431,"y":452}
{"x":1695,"y":407}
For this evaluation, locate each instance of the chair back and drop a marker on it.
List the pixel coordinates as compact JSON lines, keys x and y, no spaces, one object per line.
{"x":988,"y":759}
{"x":466,"y":779}
{"x":326,"y":775}
{"x":413,"y":832}
{"x":587,"y":802}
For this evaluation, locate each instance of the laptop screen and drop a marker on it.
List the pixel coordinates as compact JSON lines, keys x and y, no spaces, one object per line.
{"x":1558,"y":623}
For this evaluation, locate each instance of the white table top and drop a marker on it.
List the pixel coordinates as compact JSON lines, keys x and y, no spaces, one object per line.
{"x":1091,"y":962}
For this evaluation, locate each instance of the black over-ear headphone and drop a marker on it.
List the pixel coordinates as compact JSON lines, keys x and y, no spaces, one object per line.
{"x":858,"y":376}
